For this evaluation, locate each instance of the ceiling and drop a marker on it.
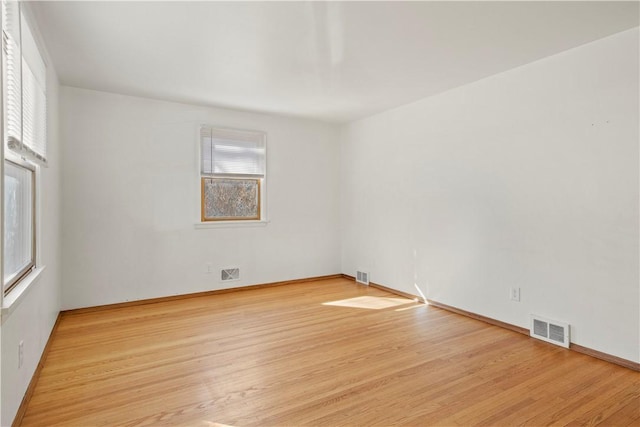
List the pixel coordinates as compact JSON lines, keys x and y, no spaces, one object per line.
{"x":332,"y":61}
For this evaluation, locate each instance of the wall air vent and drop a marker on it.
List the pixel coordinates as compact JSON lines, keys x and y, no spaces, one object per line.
{"x":550,"y":331}
{"x":362,"y":277}
{"x":229,"y":274}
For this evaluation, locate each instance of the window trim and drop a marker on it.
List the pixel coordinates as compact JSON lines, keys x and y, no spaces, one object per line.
{"x":12,"y":300}
{"x":22,"y":274}
{"x":230,"y":224}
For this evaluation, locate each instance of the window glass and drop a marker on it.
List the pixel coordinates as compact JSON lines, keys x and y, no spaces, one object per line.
{"x":18,"y":222}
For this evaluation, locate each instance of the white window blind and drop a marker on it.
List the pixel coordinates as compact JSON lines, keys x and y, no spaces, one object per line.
{"x":226,"y":152}
{"x":12,"y":69}
{"x":25,"y":75}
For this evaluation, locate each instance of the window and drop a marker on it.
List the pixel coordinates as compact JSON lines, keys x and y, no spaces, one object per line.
{"x":24,"y":101}
{"x":232,"y":174}
{"x":19,"y":222}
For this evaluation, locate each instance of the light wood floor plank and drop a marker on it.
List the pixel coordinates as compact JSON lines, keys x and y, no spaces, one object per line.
{"x":310,"y":354}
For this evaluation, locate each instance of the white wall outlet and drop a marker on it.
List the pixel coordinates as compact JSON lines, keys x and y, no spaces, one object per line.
{"x":208,"y":268}
{"x":515,"y":294}
{"x":20,"y":354}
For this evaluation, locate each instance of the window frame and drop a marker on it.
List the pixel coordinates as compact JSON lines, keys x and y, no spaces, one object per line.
{"x":28,"y":151}
{"x":24,"y":272}
{"x":261,"y":218}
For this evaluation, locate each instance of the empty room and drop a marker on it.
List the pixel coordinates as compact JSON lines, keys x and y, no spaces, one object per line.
{"x":320,"y":213}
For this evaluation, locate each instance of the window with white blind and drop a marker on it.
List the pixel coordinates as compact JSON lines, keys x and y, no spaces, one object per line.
{"x":232,"y":174}
{"x":25,"y":108}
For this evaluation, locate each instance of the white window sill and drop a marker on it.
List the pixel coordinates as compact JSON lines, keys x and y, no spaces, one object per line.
{"x":13,"y":299}
{"x":231,"y":224}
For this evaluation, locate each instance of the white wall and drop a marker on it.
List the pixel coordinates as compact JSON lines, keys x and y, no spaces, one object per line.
{"x":33,"y":318}
{"x":131,"y":197}
{"x":525,"y":179}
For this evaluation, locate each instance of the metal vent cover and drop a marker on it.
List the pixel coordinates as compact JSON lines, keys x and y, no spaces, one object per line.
{"x":540,"y":328}
{"x":362,"y":277}
{"x":228,"y":274}
{"x":556,"y":333}
{"x":551,"y":331}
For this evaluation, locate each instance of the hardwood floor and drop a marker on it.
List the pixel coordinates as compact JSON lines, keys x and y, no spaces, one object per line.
{"x":309,"y":354}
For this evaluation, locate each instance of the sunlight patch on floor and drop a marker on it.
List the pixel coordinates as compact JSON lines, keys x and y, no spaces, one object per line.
{"x":369,"y":302}
{"x":417,"y":305}
{"x":212,"y":424}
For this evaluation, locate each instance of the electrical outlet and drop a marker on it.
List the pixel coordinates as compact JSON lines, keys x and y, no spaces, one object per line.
{"x":208,"y":268}
{"x":20,"y":354}
{"x":515,"y":294}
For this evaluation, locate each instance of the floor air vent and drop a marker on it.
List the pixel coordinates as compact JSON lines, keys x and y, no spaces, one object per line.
{"x":550,"y":331}
{"x":228,"y":274}
{"x":362,"y":277}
